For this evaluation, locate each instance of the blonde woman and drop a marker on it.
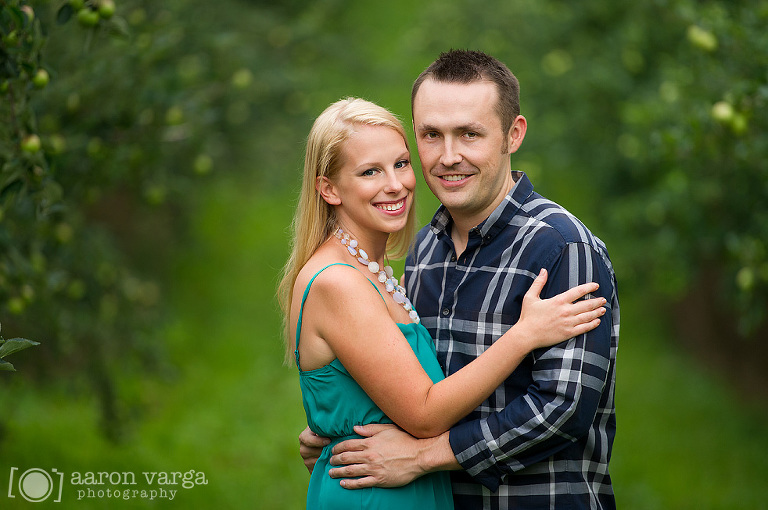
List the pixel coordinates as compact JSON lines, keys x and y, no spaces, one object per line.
{"x":362,"y":355}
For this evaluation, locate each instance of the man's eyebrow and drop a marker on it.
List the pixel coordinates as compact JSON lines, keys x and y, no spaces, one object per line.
{"x":470,"y":126}
{"x":426,"y":127}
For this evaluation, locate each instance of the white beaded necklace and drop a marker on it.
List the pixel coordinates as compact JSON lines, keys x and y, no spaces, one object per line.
{"x":385,"y":275}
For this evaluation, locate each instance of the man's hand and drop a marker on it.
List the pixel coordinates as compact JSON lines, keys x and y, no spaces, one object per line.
{"x":310,"y":447}
{"x":387,"y":456}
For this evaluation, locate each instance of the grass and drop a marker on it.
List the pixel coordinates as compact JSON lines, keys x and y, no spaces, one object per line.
{"x":685,"y":439}
{"x":229,"y":408}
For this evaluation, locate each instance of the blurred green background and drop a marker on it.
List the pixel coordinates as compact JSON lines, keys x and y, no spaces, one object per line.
{"x":141,"y":243}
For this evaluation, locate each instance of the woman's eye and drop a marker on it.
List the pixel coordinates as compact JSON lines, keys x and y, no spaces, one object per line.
{"x":369,"y":172}
{"x":402,"y":163}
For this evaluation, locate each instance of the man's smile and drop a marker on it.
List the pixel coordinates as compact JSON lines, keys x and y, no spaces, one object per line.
{"x":453,"y":178}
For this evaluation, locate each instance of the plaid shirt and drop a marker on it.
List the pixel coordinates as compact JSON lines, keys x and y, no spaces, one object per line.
{"x":544,"y":438}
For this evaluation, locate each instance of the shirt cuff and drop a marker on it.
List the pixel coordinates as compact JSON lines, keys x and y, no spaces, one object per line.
{"x":474,"y":455}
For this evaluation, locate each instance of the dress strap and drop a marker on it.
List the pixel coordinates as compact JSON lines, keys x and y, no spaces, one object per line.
{"x":304,"y":298}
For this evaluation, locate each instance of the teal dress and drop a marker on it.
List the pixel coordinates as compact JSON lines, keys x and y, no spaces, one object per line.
{"x":334,"y":403}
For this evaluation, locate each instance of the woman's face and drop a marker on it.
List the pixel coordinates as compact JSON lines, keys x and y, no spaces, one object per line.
{"x":373,"y":190}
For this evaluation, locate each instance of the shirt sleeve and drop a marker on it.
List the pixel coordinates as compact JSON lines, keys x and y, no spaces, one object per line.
{"x":562,"y":399}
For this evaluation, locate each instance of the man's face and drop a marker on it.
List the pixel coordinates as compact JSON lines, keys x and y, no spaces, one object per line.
{"x":462,"y":147}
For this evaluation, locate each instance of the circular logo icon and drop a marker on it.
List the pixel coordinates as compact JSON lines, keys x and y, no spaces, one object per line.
{"x":35,"y":485}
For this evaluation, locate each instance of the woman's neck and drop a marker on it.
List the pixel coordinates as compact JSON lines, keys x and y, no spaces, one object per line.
{"x":373,"y":243}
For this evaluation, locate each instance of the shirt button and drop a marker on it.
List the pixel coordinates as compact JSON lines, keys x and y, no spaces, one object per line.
{"x":446,"y":311}
{"x":453,"y":258}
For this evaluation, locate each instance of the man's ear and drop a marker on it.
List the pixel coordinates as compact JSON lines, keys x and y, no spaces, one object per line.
{"x":327,"y":190}
{"x":517,"y":134}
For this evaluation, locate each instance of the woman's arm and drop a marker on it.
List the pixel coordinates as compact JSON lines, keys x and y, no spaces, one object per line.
{"x":354,"y":321}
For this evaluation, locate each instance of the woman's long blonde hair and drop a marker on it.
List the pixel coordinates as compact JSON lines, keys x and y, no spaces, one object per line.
{"x":315,"y":220}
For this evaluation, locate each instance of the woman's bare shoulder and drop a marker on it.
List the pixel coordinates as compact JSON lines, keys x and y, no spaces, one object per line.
{"x":331,"y":275}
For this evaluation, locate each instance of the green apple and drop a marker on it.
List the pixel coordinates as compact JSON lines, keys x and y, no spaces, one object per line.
{"x":203,"y":164}
{"x":77,"y":4}
{"x":106,"y":8}
{"x":64,"y":232}
{"x":12,"y":39}
{"x":88,"y":17}
{"x":16,"y":305}
{"x":26,"y":9}
{"x":57,"y":143}
{"x":155,"y":194}
{"x":739,"y":124}
{"x":31,"y":144}
{"x":702,"y":38}
{"x":722,"y":111}
{"x":41,"y":78}
{"x":242,"y":78}
{"x":174,"y":116}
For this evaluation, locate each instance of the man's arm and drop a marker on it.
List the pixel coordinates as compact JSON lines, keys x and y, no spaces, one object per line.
{"x":387,"y":456}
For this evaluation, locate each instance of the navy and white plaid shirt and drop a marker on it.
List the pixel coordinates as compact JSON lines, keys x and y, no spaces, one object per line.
{"x":544,"y":438}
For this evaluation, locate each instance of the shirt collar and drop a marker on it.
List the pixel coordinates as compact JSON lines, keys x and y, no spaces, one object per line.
{"x":500,"y":216}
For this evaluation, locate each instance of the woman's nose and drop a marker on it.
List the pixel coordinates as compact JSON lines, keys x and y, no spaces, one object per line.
{"x":393,"y":182}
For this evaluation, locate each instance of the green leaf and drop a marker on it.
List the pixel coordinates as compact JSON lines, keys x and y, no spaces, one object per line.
{"x":119,"y":26}
{"x":64,"y":13}
{"x":18,"y":16}
{"x":11,"y":188}
{"x":7,"y":367}
{"x":15,"y":345}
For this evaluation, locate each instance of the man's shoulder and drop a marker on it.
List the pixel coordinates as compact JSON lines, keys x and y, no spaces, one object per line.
{"x":554,"y":220}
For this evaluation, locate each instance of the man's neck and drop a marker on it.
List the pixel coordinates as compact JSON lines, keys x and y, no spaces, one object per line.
{"x":462,"y":224}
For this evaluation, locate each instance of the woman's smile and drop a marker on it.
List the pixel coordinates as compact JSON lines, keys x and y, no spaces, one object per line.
{"x":392,"y":207}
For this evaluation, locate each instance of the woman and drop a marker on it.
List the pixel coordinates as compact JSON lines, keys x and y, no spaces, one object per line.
{"x":362,"y":355}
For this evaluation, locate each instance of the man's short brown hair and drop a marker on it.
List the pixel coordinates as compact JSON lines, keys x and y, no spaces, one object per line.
{"x":465,"y":66}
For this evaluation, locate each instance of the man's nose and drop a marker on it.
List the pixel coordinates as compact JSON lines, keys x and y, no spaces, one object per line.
{"x":450,"y":155}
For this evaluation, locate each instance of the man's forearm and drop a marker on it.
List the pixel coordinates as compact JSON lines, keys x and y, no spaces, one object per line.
{"x":386,"y":456}
{"x":436,"y":454}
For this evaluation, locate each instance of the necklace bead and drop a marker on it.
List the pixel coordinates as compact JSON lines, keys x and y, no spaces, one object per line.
{"x":385,"y":276}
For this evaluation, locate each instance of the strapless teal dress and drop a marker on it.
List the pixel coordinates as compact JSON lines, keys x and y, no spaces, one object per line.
{"x":334,"y":403}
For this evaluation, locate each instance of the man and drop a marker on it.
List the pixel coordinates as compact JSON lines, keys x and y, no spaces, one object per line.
{"x":544,"y":438}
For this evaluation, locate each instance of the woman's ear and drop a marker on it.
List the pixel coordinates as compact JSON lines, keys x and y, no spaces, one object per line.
{"x":327,"y":190}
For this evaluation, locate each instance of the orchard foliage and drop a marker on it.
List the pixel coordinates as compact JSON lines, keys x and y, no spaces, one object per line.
{"x":692,"y":146}
{"x":102,"y":157}
{"x":111,"y":115}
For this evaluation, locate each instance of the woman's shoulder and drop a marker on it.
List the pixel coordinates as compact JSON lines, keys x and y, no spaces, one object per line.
{"x":328,"y":274}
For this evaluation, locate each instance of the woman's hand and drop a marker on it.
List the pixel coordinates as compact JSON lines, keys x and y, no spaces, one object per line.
{"x":310,"y":447}
{"x":545,"y":322}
